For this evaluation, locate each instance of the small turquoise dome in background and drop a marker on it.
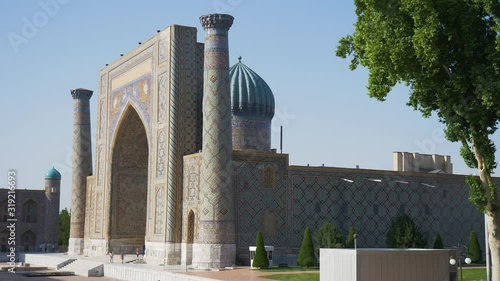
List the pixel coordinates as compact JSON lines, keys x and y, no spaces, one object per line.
{"x":53,"y":174}
{"x":250,"y":94}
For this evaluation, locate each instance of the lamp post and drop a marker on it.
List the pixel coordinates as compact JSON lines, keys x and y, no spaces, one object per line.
{"x":355,"y":240}
{"x":460,"y":249}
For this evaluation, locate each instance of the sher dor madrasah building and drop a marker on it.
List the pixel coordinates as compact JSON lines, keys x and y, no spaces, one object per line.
{"x":184,"y":166}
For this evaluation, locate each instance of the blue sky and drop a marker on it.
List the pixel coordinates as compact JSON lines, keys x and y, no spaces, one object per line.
{"x":48,"y":47}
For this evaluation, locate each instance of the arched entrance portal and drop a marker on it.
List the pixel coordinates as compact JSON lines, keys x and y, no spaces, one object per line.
{"x":129,"y":185}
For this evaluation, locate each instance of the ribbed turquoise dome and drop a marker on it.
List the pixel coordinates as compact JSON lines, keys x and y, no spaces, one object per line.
{"x":250,"y":94}
{"x":53,"y":174}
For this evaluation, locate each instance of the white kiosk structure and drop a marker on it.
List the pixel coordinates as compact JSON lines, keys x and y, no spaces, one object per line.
{"x":269,"y":252}
{"x":384,"y":264}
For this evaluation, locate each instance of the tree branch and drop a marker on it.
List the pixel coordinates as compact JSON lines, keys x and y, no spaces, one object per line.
{"x":485,"y":176}
{"x":447,"y":71}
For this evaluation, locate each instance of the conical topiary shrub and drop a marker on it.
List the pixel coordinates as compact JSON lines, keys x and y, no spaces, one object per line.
{"x":474,"y":250}
{"x":307,"y":257}
{"x":328,"y":236}
{"x":438,"y":242}
{"x":349,"y":242}
{"x":260,"y":260}
{"x":404,"y":233}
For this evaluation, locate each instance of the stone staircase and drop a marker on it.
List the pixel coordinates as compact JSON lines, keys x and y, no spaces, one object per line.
{"x":65,"y":263}
{"x":133,"y":269}
{"x":85,"y":268}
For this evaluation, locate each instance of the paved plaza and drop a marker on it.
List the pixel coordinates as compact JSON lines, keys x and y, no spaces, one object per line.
{"x":236,"y":274}
{"x":7,"y":276}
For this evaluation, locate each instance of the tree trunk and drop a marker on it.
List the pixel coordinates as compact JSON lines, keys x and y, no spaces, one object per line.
{"x":493,"y":221}
{"x":492,"y":216}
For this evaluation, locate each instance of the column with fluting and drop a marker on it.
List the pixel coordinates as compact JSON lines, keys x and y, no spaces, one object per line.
{"x":215,"y":242}
{"x":82,"y":167}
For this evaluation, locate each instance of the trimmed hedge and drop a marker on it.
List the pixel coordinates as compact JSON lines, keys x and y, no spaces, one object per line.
{"x":260,"y":260}
{"x":349,"y":243}
{"x":474,"y":249}
{"x":438,"y":242}
{"x":404,"y":233}
{"x":307,"y":257}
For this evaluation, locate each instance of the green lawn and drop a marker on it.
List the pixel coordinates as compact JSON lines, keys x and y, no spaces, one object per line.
{"x":474,"y":274}
{"x":286,"y":269}
{"x":470,"y":274}
{"x":294,"y":277}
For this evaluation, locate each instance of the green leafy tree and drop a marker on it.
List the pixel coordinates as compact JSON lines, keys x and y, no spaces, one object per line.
{"x":260,"y":260}
{"x":404,"y":233}
{"x":64,"y":224}
{"x":307,"y":257}
{"x":438,"y":242}
{"x":474,"y":249}
{"x":328,"y":236}
{"x":447,"y":53}
{"x":349,"y":242}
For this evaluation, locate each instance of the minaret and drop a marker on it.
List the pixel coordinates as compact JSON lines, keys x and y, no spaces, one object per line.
{"x":82,"y":167}
{"x":215,"y":242}
{"x":52,"y":193}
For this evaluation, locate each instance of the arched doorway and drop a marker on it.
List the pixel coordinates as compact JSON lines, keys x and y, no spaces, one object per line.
{"x":28,"y":241}
{"x":129,"y":185}
{"x":4,"y":240}
{"x":30,"y":211}
{"x":190,"y":238}
{"x":190,"y":234}
{"x":4,"y":215}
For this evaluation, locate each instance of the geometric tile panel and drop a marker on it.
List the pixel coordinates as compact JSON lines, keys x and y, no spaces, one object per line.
{"x":98,"y":212}
{"x":192,"y":95}
{"x":370,"y":205}
{"x":100,"y":165}
{"x":90,"y":205}
{"x":160,"y":207}
{"x":102,"y":118}
{"x":130,"y":204}
{"x":160,"y":153}
{"x":163,"y":90}
{"x":163,"y":50}
{"x":367,"y":201}
{"x":250,"y":133}
{"x":260,"y":208}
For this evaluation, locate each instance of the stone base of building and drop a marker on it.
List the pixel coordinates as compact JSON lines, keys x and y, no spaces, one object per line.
{"x":213,"y":255}
{"x":95,"y":247}
{"x":126,"y":245}
{"x":155,"y":253}
{"x":75,"y":246}
{"x":187,"y":254}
